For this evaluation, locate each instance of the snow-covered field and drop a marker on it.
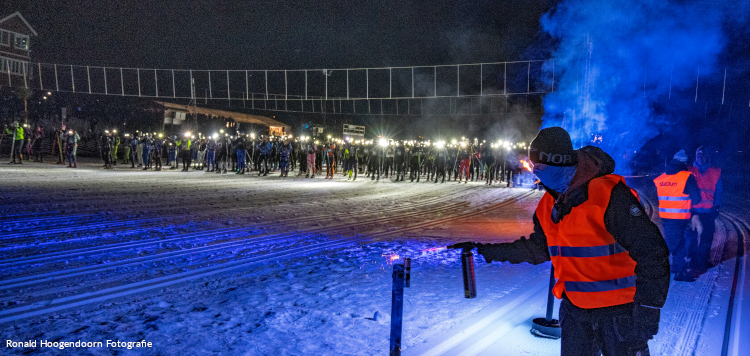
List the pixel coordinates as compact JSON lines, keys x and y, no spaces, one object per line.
{"x":199,"y":263}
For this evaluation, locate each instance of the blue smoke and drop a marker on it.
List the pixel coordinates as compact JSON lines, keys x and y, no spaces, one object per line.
{"x":617,"y":60}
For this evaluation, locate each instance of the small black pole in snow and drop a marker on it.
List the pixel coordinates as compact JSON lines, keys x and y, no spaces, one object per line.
{"x":548,"y":327}
{"x":397,"y":309}
{"x":407,"y":272}
{"x":470,"y":283}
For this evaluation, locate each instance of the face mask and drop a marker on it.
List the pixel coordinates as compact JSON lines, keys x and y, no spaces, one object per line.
{"x":556,"y":178}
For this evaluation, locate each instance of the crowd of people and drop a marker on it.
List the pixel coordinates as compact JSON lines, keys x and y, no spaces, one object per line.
{"x":28,"y":142}
{"x":242,"y":154}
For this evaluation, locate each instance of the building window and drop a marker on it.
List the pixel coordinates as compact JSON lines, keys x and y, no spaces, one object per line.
{"x":22,"y":42}
{"x":4,"y":38}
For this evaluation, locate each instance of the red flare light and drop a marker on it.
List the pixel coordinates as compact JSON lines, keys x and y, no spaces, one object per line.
{"x":526,"y":165}
{"x":391,"y":257}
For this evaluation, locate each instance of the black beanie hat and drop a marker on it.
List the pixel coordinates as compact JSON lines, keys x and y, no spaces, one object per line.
{"x":553,"y":146}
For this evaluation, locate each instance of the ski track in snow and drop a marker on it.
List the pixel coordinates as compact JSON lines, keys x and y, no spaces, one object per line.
{"x":202,"y":263}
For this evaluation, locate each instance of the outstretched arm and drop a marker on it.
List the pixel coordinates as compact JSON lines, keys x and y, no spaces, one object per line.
{"x":532,"y":250}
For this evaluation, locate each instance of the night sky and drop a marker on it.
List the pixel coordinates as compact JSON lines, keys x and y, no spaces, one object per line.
{"x":281,"y":34}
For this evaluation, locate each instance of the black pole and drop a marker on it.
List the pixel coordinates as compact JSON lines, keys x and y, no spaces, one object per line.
{"x":547,"y":327}
{"x":550,"y":296}
{"x":397,"y":309}
{"x":470,"y":285}
{"x":407,"y":272}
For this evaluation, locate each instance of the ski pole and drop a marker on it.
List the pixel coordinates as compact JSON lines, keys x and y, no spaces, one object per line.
{"x":13,"y":147}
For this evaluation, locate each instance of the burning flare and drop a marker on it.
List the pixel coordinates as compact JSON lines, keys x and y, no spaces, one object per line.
{"x":526,"y":165}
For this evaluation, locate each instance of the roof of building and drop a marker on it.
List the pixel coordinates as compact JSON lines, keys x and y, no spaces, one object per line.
{"x":237,"y":116}
{"x":18,"y":14}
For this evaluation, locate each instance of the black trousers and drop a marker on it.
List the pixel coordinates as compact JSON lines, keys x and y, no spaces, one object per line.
{"x":388,"y":165}
{"x":602,"y":331}
{"x":399,"y":167}
{"x":186,"y":158}
{"x":263,"y":163}
{"x":677,"y":242}
{"x":440,"y":170}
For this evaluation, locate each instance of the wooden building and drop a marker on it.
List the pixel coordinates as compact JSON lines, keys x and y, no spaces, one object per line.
{"x":15,"y":49}
{"x":176,"y":114}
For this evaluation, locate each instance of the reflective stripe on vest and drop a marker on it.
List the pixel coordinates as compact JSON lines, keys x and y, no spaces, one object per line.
{"x":591,"y":268}
{"x":588,"y":251}
{"x":601,"y":286}
{"x":707,"y":184}
{"x":673,"y":202}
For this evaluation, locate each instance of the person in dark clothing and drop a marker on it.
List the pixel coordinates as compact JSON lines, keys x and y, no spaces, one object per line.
{"x":146,"y":152}
{"x":488,"y":163}
{"x":211,"y":145}
{"x":319,"y":159}
{"x":374,"y":162}
{"x":222,"y":153}
{"x":158,"y":145}
{"x":389,"y":153}
{"x":678,"y":191}
{"x":706,"y":211}
{"x":441,"y":158}
{"x":476,"y":160}
{"x":106,"y":142}
{"x":399,"y":158}
{"x":239,"y":145}
{"x":133,"y":150}
{"x":351,"y":155}
{"x":265,"y":147}
{"x":285,"y":152}
{"x":415,"y":162}
{"x":610,"y":260}
{"x":38,"y":139}
{"x":185,"y":144}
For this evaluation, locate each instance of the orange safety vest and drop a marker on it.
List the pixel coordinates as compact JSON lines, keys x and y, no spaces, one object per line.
{"x":673,"y":202}
{"x":591,"y":268}
{"x":707,"y":184}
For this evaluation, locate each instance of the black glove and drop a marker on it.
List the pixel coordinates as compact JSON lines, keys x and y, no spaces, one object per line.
{"x":646,"y":321}
{"x":463,"y":245}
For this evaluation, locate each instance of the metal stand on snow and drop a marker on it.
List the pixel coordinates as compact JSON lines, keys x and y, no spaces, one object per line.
{"x":470,"y":283}
{"x":547,"y":327}
{"x":397,"y":309}
{"x":407,"y":272}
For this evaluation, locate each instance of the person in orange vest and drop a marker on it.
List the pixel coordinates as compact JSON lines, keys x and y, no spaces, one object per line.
{"x":712,"y":190}
{"x":610,"y":260}
{"x":678,"y":191}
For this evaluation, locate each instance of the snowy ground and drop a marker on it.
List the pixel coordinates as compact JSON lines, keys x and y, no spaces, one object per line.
{"x":198,"y":263}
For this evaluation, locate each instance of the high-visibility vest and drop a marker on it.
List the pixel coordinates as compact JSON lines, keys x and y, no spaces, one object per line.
{"x":591,"y":268}
{"x":707,"y":184}
{"x":673,"y":202}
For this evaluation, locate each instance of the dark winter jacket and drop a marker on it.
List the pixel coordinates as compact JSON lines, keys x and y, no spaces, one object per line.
{"x":239,"y":143}
{"x":634,"y":232}
{"x":265,"y":147}
{"x":691,"y":187}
